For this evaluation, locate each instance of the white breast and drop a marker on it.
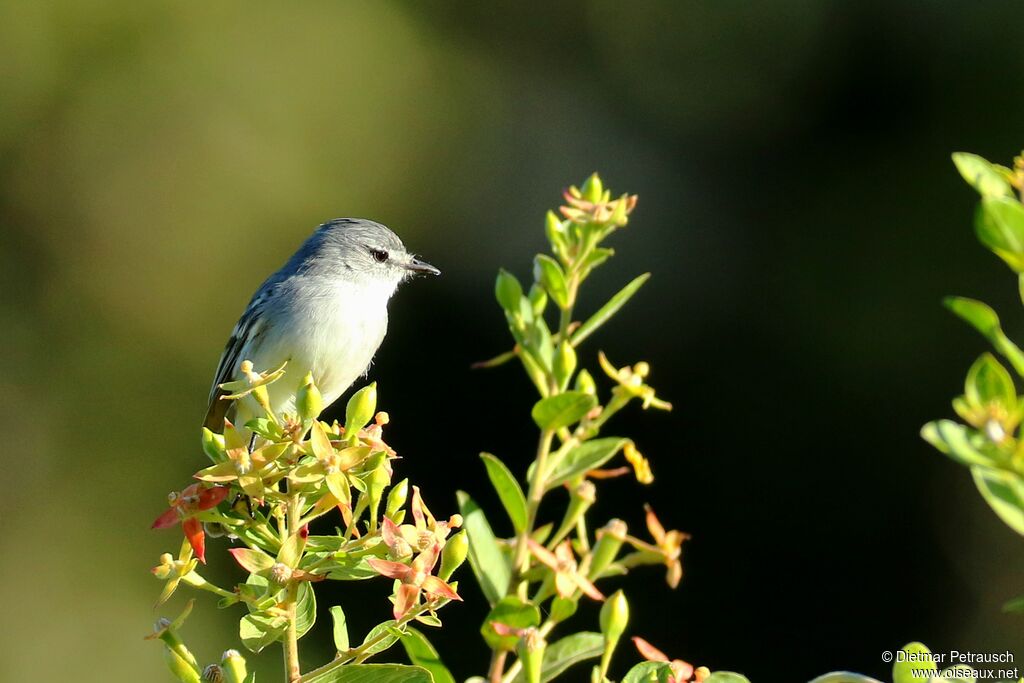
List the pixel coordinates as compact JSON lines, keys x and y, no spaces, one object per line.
{"x":333,"y":335}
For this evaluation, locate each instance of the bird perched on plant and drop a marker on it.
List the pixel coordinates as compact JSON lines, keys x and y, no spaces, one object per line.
{"x":323,"y":312}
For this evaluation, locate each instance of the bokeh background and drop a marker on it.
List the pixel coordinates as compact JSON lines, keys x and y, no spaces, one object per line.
{"x":798,"y":210}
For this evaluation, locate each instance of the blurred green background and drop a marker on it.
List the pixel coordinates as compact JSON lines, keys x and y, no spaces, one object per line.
{"x":797,"y":207}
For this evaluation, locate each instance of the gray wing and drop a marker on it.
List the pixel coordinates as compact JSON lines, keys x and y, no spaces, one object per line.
{"x":249,"y":329}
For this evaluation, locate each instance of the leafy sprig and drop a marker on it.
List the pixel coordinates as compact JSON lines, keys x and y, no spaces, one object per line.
{"x":988,"y":439}
{"x":268,"y":482}
{"x":550,"y":565}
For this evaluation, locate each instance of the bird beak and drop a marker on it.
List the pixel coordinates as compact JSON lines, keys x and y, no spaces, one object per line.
{"x":417,"y":266}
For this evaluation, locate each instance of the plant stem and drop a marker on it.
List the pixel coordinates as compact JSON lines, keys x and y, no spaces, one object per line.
{"x":291,"y":642}
{"x":355,"y":653}
{"x":537,"y":484}
{"x":517,"y":665}
{"x":497,"y":666}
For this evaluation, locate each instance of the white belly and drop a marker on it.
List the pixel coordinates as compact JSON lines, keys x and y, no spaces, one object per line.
{"x":335,"y":343}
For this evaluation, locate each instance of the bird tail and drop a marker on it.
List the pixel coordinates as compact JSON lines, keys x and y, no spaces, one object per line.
{"x":217,"y":412}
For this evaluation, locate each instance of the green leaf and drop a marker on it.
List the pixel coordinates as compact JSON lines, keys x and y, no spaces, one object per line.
{"x":908,"y":671}
{"x":305,"y":608}
{"x":562,"y":410}
{"x":1004,"y":492}
{"x":596,"y":257}
{"x":431,"y":620}
{"x":538,"y":300}
{"x":956,"y":441}
{"x":999,"y":224}
{"x":351,"y":569}
{"x":982,"y":175}
{"x":386,"y":629}
{"x":340,"y":629}
{"x":508,"y":291}
{"x":549,"y":274}
{"x":609,"y":309}
{"x":511,"y":611}
{"x":265,"y":427}
{"x":982,"y":318}
{"x":374,"y":673}
{"x":259,"y":630}
{"x":508,"y":489}
{"x":488,"y":564}
{"x":587,"y":456}
{"x":562,"y":608}
{"x":648,"y":672}
{"x":568,"y":652}
{"x":291,"y":550}
{"x":538,"y":342}
{"x":989,"y":382}
{"x":422,"y":653}
{"x":1015,"y":605}
{"x":251,"y":560}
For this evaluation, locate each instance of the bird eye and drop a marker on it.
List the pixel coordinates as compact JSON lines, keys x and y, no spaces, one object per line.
{"x":379,"y":255}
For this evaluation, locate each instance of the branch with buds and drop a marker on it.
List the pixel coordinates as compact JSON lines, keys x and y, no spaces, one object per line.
{"x":269,"y":483}
{"x":549,"y":566}
{"x":989,"y":439}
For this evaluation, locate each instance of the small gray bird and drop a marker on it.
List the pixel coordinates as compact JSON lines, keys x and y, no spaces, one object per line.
{"x":324,"y":312}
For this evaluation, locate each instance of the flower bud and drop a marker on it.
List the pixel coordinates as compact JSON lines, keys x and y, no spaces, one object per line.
{"x":701,"y":673}
{"x":397,"y":497}
{"x":399,"y":550}
{"x":308,"y":401}
{"x":454,"y":554}
{"x":166,"y":631}
{"x":531,"y":653}
{"x":213,"y":446}
{"x":564,"y":364}
{"x":280,"y":573}
{"x":585,"y":383}
{"x":360,"y":409}
{"x":213,"y":673}
{"x":580,"y":500}
{"x":179,"y":659}
{"x":614,"y":617}
{"x":592,"y":189}
{"x":609,"y":542}
{"x":620,"y":212}
{"x":162,"y":571}
{"x":641,"y":466}
{"x":377,"y":480}
{"x":234,"y":667}
{"x":182,"y":669}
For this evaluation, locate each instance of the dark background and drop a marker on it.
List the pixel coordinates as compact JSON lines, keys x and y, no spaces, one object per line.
{"x":797,"y":207}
